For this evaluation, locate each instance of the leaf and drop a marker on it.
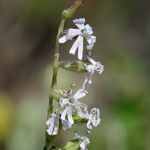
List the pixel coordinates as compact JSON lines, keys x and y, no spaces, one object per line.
{"x":75,"y":66}
{"x":72,"y":145}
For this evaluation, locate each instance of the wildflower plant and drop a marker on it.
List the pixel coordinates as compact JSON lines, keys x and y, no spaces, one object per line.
{"x":71,"y":110}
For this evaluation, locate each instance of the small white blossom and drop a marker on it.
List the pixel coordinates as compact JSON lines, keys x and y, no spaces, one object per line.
{"x":71,"y":105}
{"x":84,"y":141}
{"x":82,"y":31}
{"x":53,"y":123}
{"x":94,"y":66}
{"x":93,"y":119}
{"x":91,"y":68}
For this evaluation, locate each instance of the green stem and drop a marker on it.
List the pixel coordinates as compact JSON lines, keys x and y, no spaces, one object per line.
{"x":55,"y":65}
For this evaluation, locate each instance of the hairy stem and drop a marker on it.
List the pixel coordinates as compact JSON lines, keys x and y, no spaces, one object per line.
{"x":55,"y":65}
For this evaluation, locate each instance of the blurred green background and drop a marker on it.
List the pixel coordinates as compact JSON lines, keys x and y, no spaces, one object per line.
{"x":27,"y":35}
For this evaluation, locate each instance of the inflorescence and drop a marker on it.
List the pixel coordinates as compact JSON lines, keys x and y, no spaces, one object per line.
{"x":70,"y":108}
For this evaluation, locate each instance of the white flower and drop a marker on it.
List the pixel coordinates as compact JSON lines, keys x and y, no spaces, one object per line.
{"x":91,"y":68}
{"x":82,"y":31}
{"x":84,"y":141}
{"x":71,"y":105}
{"x":93,"y":119}
{"x":94,"y":66}
{"x":53,"y":123}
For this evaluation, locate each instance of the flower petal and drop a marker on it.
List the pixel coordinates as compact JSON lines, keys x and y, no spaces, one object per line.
{"x":66,"y":124}
{"x":80,"y":93}
{"x":56,"y":126}
{"x":63,"y":39}
{"x":64,"y":113}
{"x":81,"y":113}
{"x":48,"y":122}
{"x":89,"y":126}
{"x":84,"y":83}
{"x":51,"y":126}
{"x":74,"y":46}
{"x":84,"y":141}
{"x":88,"y":30}
{"x":79,"y":23}
{"x":92,"y":61}
{"x":99,"y":67}
{"x":80,"y":48}
{"x":63,"y":101}
{"x":91,"y":40}
{"x":72,"y":33}
{"x":90,"y":68}
{"x":90,"y":47}
{"x":70,"y":118}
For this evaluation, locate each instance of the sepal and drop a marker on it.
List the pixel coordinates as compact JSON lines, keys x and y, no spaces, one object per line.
{"x":60,"y":94}
{"x":78,"y":120}
{"x":75,"y":66}
{"x":72,"y":145}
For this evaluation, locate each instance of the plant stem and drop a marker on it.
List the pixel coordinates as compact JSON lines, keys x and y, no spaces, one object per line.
{"x":55,"y":65}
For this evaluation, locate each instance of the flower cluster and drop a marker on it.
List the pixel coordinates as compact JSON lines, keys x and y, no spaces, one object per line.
{"x":70,"y":105}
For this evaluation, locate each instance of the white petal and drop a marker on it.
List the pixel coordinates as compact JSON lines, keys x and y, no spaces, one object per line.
{"x":63,"y":39}
{"x":48,"y":122}
{"x":88,"y":30}
{"x":84,"y":141}
{"x":51,"y":127}
{"x":80,"y":48}
{"x":83,"y":146}
{"x":89,"y":126}
{"x":96,"y":122}
{"x":74,"y":46}
{"x":66,"y":124}
{"x":81,"y":113}
{"x":94,"y":119}
{"x":99,"y":67}
{"x":70,"y":119}
{"x":92,"y":61}
{"x":90,"y":81}
{"x":64,"y":113}
{"x":90,"y":47}
{"x":56,"y":126}
{"x":84,"y":83}
{"x":90,"y":68}
{"x":63,"y":101}
{"x":80,"y":93}
{"x":79,"y":23}
{"x":91,"y":40}
{"x":72,"y":33}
